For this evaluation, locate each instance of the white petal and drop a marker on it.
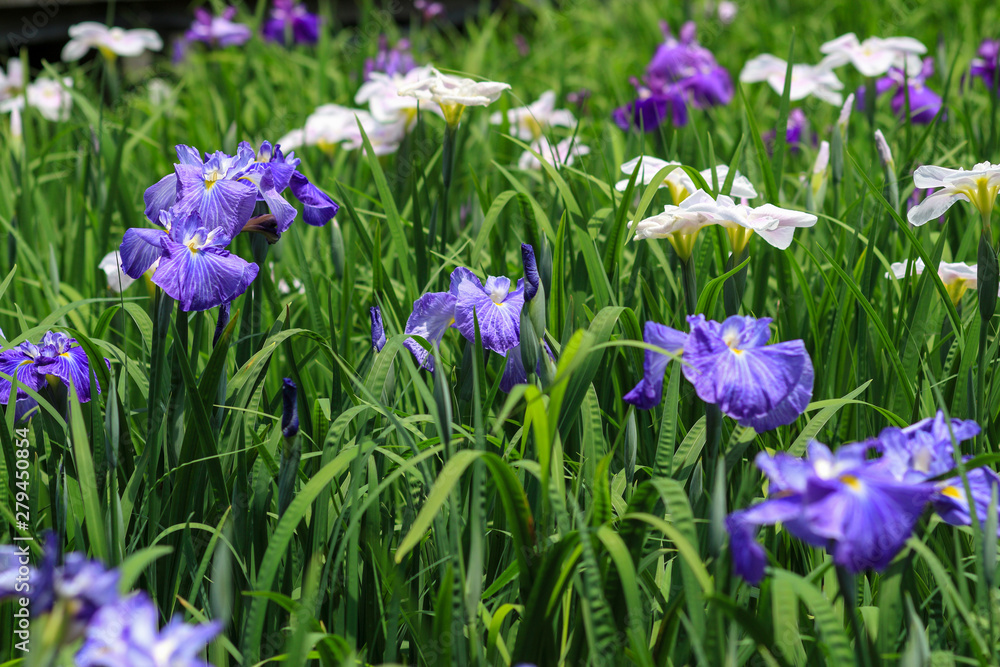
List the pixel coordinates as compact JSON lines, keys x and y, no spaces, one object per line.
{"x":933,"y":207}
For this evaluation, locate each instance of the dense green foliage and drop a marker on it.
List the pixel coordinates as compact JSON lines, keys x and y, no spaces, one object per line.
{"x":436,"y":520}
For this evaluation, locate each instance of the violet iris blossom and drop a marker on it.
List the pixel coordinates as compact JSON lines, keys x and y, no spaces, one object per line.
{"x":681,"y":72}
{"x":924,"y":102}
{"x":287,"y":16}
{"x":494,"y":305}
{"x":56,"y":358}
{"x":378,"y":331}
{"x":217,"y":31}
{"x":730,"y":365}
{"x":986,"y":65}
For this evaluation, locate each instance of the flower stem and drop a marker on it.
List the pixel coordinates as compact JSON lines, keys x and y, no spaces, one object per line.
{"x":987,"y":287}
{"x":447,"y":168}
{"x":848,"y":589}
{"x":690,"y":281}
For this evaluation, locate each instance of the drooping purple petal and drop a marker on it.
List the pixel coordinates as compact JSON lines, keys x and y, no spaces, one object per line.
{"x":647,"y":394}
{"x":160,"y":197}
{"x":140,"y":249}
{"x":433,"y":313}
{"x":319,"y":208}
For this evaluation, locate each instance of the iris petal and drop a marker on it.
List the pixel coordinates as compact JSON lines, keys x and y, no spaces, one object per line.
{"x":202,"y":279}
{"x":140,"y":249}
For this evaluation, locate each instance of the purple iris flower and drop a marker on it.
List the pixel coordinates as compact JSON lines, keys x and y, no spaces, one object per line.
{"x":395,"y":61}
{"x":795,"y":128}
{"x":84,"y":586}
{"x":514,"y":372}
{"x":56,"y":357}
{"x":691,"y":66}
{"x":289,"y":16}
{"x":986,"y":65}
{"x":844,"y":502}
{"x":378,"y":331}
{"x":924,"y":102}
{"x":217,"y":31}
{"x":192,"y":263}
{"x":652,"y":107}
{"x":12,"y":578}
{"x":493,"y":304}
{"x":127,"y":633}
{"x":731,"y":365}
{"x":497,"y":309}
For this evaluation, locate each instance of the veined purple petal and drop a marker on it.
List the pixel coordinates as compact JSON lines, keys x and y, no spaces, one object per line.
{"x":140,"y":249}
{"x":789,"y":409}
{"x":16,"y":364}
{"x":319,"y":208}
{"x":283,"y":212}
{"x":202,"y":279}
{"x":868,"y":517}
{"x":432,"y":314}
{"x":497,"y":309}
{"x":222,"y":203}
{"x":188,"y":155}
{"x":647,"y":394}
{"x":160,"y":196}
{"x":531,"y":278}
{"x":72,"y":366}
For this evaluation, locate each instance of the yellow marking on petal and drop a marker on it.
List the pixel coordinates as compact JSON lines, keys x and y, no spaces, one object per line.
{"x":951,"y":492}
{"x":851,"y":481}
{"x":53,"y":380}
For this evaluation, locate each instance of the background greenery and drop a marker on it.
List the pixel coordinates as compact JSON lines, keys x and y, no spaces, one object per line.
{"x":437,"y":521}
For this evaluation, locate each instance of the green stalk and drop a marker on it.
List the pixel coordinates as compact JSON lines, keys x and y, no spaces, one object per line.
{"x":690,"y":281}
{"x":987,"y":291}
{"x":447,"y":169}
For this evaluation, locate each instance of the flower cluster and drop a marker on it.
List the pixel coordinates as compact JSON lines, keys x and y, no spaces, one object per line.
{"x":82,"y":596}
{"x":56,"y":359}
{"x":681,"y":73}
{"x":730,"y":365}
{"x":863,"y":509}
{"x":695,"y":209}
{"x":200,"y":209}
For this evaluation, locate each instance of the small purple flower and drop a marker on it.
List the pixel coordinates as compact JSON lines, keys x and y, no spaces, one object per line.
{"x":494,"y":305}
{"x":691,"y":66}
{"x":192,"y":263}
{"x":126,"y":633}
{"x":394,"y":61}
{"x":429,"y":10}
{"x":794,"y":130}
{"x":217,"y":31}
{"x":287,"y":16}
{"x":924,"y":102}
{"x":986,"y":65}
{"x":56,"y":358}
{"x":290,"y":408}
{"x":378,"y":331}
